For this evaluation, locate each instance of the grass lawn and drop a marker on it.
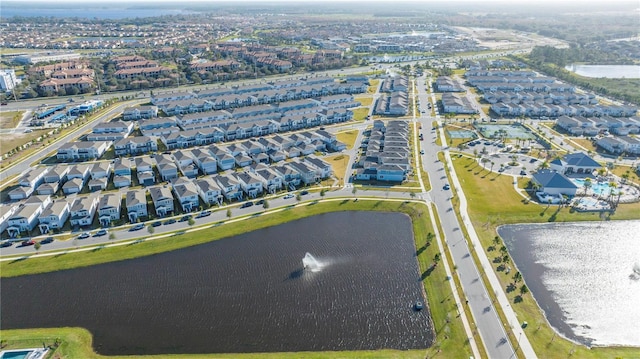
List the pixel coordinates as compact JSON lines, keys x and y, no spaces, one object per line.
{"x":489,"y":210}
{"x":76,"y":343}
{"x":10,"y":119}
{"x":18,"y":139}
{"x":360,"y":113}
{"x":348,"y":138}
{"x":586,"y":143}
{"x":622,"y":170}
{"x":373,"y":86}
{"x":364,"y":100}
{"x":339,"y":165}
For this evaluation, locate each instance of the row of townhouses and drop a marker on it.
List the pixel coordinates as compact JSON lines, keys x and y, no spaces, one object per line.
{"x":190,"y":163}
{"x":550,"y":110}
{"x":592,"y":126}
{"x":457,"y":104}
{"x":387,"y":154}
{"x":198,"y":130}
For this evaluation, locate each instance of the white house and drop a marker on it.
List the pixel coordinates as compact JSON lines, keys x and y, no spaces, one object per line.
{"x":82,"y":211}
{"x":162,"y":200}
{"x":54,"y":216}
{"x":209,"y":190}
{"x":109,"y":209}
{"x":136,"y":202}
{"x":186,"y":193}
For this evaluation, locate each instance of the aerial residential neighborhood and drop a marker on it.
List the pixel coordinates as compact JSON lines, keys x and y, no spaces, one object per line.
{"x":353,"y":179}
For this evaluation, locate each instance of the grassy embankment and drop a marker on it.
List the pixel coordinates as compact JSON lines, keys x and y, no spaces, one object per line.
{"x":450,"y":340}
{"x":492,"y":201}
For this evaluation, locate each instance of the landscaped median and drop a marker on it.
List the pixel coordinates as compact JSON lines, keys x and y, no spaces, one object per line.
{"x":492,"y":201}
{"x":450,"y":341}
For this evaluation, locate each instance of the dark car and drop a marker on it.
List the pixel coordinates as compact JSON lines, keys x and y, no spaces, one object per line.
{"x":169,"y":221}
{"x":27,"y":243}
{"x":5,"y":244}
{"x":523,"y":173}
{"x":446,"y":187}
{"x":260,"y":202}
{"x":100,"y":233}
{"x":186,"y":218}
{"x":137,"y":227}
{"x":247,"y":204}
{"x":305,"y":192}
{"x":156,"y":224}
{"x":46,"y":240}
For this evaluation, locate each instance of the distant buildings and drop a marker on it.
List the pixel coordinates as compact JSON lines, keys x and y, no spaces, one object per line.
{"x":8,"y":79}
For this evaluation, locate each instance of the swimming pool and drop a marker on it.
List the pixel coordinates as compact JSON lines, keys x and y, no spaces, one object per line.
{"x":599,"y":188}
{"x":15,"y":354}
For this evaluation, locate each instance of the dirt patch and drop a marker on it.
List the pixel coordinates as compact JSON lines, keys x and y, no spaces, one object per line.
{"x":10,"y":119}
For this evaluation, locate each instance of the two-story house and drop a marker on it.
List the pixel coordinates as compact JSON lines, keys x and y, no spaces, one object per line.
{"x":209,"y":190}
{"x":136,"y":202}
{"x":54,"y":216}
{"x":109,"y":209}
{"x":162,"y":200}
{"x":186,"y":193}
{"x":82,"y":210}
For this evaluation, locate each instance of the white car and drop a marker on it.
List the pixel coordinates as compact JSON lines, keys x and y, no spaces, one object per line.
{"x":288,"y":196}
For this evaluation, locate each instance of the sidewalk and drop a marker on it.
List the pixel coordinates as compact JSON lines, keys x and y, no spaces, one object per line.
{"x":523,"y":342}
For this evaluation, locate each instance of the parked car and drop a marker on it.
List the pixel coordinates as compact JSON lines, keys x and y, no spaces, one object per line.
{"x":446,"y":187}
{"x":137,"y":227}
{"x":305,"y":192}
{"x":186,"y":218}
{"x":169,"y":221}
{"x":5,"y":244}
{"x":203,"y":214}
{"x":247,"y":204}
{"x":422,"y":152}
{"x":100,"y":233}
{"x":156,"y":224}
{"x":260,"y":202}
{"x":287,"y":196}
{"x":46,"y":240}
{"x":27,"y":243}
{"x":84,"y":235}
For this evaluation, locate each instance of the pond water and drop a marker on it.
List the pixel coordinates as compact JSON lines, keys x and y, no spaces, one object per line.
{"x":585,"y":277}
{"x":248,"y":293}
{"x":607,"y":71}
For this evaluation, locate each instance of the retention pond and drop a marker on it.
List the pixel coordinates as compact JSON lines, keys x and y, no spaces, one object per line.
{"x":585,"y":276}
{"x":248,"y":293}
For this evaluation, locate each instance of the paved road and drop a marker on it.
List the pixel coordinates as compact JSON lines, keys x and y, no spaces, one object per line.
{"x":217,"y":215}
{"x":488,"y":323}
{"x":25,"y":164}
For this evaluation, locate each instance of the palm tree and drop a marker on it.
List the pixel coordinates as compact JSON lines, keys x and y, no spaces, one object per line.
{"x":517,"y":277}
{"x":587,"y":184}
{"x":492,"y":163}
{"x":496,"y":240}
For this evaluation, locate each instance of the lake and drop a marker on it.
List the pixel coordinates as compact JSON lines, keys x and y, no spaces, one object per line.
{"x":585,"y":276}
{"x":248,"y":293}
{"x":607,"y":71}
